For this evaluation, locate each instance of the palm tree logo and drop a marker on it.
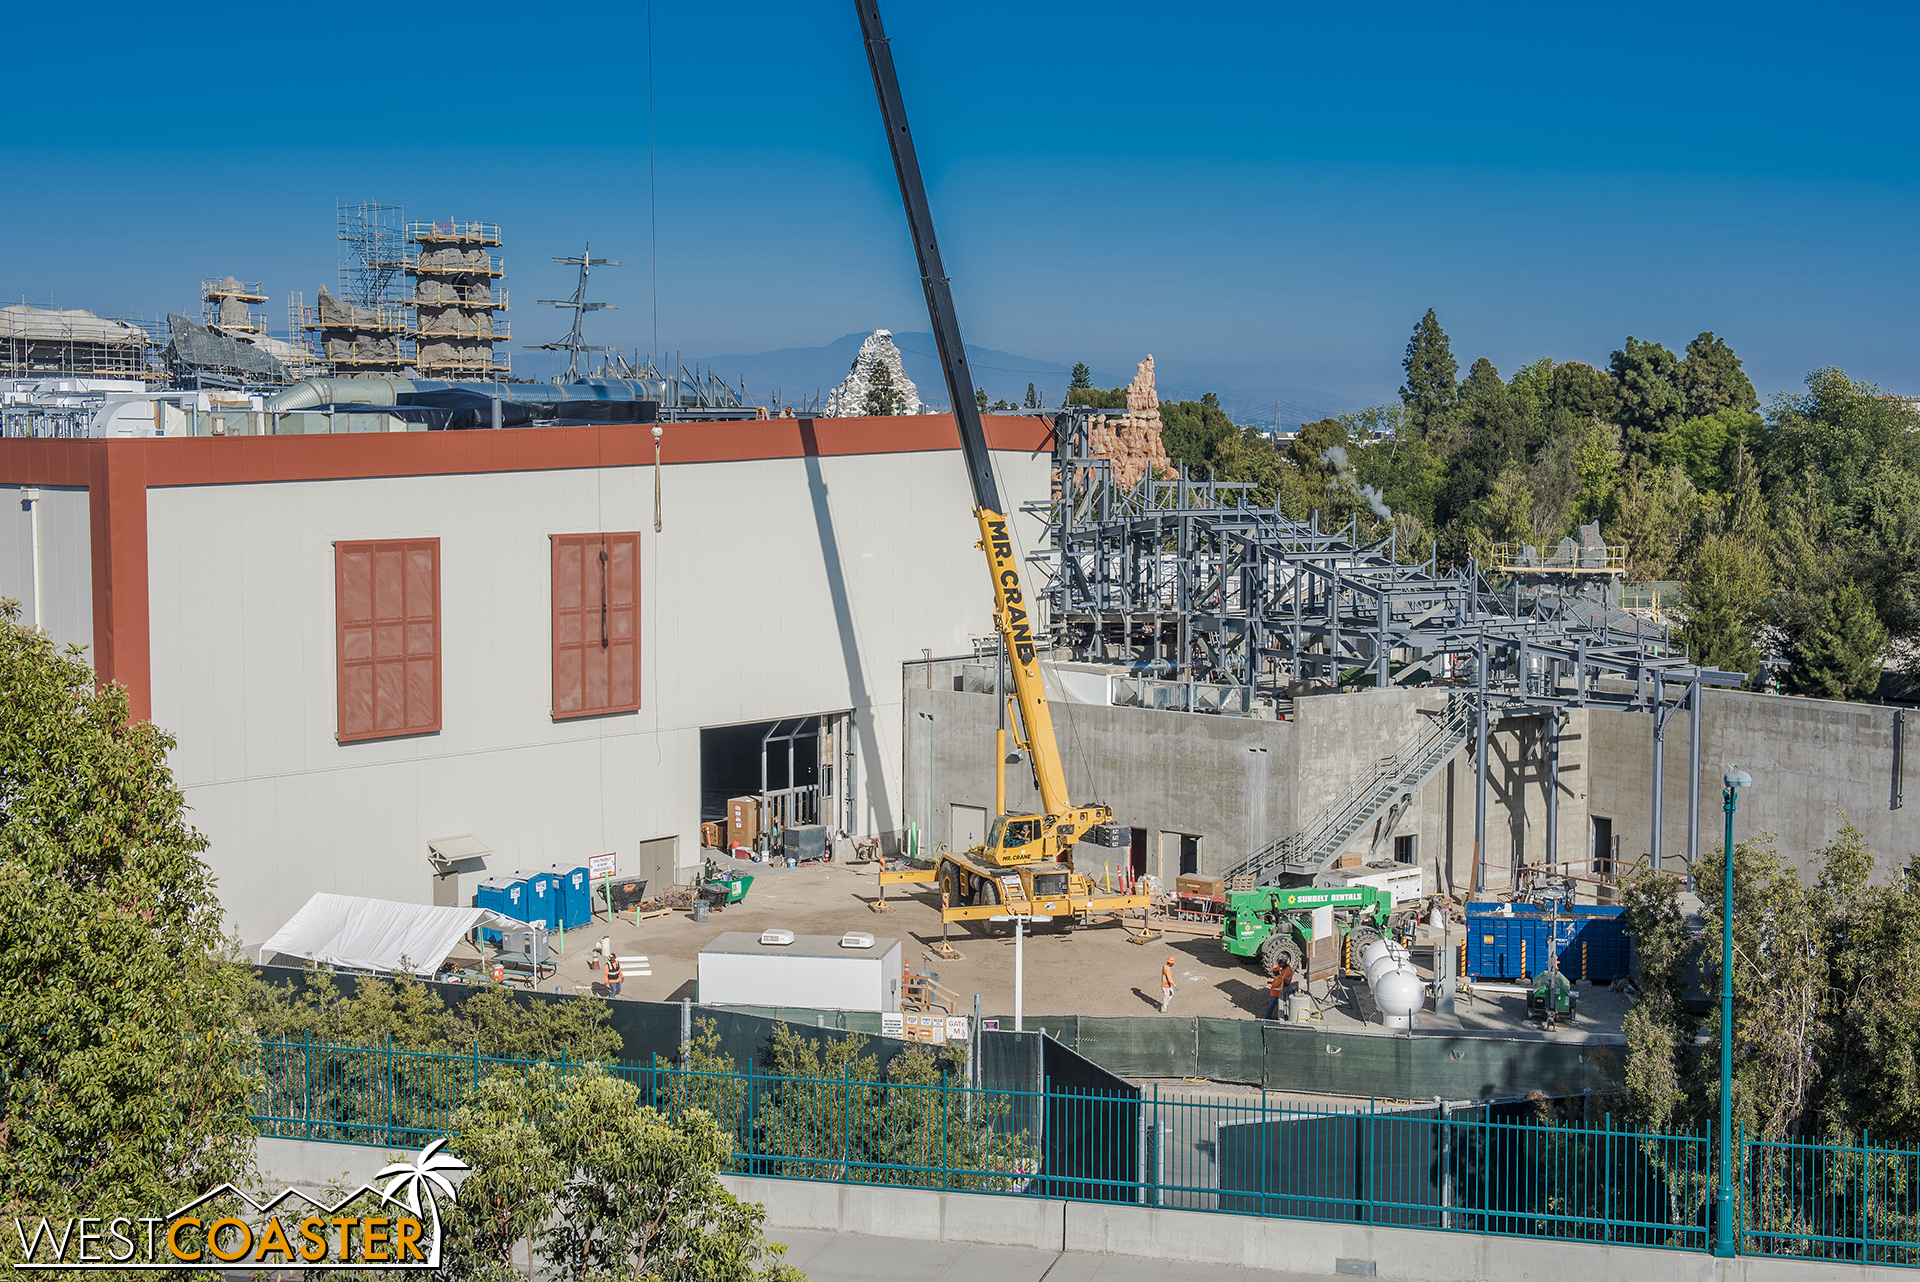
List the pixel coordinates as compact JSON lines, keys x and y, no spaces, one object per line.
{"x":428,"y":1170}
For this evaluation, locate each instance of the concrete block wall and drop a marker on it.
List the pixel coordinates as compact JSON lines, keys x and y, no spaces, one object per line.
{"x":1240,"y":782}
{"x":1811,"y":760}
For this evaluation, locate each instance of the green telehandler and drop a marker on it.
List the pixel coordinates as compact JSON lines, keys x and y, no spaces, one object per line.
{"x":1274,"y":924}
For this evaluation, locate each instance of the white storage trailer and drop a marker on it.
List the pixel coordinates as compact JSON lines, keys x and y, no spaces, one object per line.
{"x":818,"y":972}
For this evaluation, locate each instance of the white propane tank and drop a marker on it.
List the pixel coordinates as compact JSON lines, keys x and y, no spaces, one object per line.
{"x":1396,"y":987}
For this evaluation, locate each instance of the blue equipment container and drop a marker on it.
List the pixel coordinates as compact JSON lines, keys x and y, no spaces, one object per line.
{"x":576,"y":894}
{"x":504,"y":895}
{"x":1589,"y":940}
{"x":543,"y":900}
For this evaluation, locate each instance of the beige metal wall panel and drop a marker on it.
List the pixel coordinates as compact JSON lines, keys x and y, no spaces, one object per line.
{"x":852,"y":563}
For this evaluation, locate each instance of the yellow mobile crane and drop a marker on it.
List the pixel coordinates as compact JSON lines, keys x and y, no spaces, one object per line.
{"x":1025,"y":868}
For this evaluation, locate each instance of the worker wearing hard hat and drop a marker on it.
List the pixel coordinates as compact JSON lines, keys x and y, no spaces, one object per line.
{"x":1166,"y":986}
{"x":1277,"y":985}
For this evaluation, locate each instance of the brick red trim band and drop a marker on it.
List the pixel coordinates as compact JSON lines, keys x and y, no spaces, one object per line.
{"x":118,"y":473}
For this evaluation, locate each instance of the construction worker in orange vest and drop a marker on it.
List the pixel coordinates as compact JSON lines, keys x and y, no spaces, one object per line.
{"x":1277,"y":986}
{"x":1166,"y":986}
{"x":614,"y":976}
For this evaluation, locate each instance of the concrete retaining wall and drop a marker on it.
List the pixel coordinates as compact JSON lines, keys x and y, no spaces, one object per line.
{"x":1238,"y":782}
{"x":1296,"y":1246}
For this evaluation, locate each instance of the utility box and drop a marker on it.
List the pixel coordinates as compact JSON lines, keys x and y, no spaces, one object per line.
{"x":1405,"y":882}
{"x":504,"y":895}
{"x":575,"y":891}
{"x":532,"y":941}
{"x":806,"y":842}
{"x":814,"y":972}
{"x":743,"y":821}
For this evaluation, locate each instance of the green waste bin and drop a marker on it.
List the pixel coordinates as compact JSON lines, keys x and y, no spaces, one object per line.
{"x":736,"y":887}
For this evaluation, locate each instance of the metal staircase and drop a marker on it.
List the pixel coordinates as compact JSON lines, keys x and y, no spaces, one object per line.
{"x":1370,"y":795}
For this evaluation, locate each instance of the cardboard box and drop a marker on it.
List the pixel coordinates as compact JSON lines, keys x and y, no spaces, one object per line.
{"x":743,"y":821}
{"x":1199,"y":886}
{"x":713,"y":836}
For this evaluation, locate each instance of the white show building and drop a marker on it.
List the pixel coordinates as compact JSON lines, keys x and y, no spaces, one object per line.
{"x":366,"y":644}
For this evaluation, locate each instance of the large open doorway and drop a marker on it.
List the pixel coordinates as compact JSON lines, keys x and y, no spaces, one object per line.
{"x":792,"y":767}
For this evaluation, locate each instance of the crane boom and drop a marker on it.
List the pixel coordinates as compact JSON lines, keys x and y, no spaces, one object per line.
{"x":1013,"y":612}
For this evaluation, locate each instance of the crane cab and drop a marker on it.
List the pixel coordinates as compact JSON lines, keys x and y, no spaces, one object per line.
{"x":1020,"y":839}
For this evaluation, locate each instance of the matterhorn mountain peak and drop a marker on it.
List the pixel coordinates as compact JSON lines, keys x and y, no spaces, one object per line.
{"x":877,"y":383}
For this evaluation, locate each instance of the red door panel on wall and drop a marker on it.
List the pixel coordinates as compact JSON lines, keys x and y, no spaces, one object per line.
{"x":596,"y":624}
{"x":387,"y":615}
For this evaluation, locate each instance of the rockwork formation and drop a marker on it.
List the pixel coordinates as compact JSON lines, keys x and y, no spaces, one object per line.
{"x":1131,"y":441}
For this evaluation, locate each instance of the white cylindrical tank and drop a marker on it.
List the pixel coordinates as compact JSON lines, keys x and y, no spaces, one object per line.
{"x":1397,"y":989}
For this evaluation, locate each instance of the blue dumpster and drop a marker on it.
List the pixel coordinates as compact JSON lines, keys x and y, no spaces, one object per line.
{"x":1589,"y":941}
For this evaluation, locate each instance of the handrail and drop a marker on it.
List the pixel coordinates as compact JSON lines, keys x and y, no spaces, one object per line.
{"x":1364,"y":795}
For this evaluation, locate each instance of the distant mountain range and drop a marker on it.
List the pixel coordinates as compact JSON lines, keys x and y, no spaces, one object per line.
{"x":798,"y":374}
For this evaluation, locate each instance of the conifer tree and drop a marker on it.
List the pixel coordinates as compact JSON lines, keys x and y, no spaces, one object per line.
{"x":1840,"y":657}
{"x":1430,"y":392}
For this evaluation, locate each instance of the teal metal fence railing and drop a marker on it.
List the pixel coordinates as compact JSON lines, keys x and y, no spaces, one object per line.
{"x":1481,"y":1169}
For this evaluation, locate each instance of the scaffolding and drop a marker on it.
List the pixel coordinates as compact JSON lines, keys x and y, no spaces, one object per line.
{"x":365,"y":329}
{"x":372,"y":257}
{"x":43,"y":342}
{"x":454,"y":301}
{"x":227,"y":304}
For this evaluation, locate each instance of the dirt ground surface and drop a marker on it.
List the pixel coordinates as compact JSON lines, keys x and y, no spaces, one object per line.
{"x":1096,"y":970}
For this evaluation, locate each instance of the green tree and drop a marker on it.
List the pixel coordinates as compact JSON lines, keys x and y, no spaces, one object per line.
{"x":600,"y":1186}
{"x":1842,"y":432}
{"x":1727,"y":582}
{"x":415,"y":1017}
{"x":1882,"y":533}
{"x":1655,"y":516}
{"x":882,"y":396}
{"x":1531,"y":392}
{"x":1646,"y":379}
{"x":1430,"y":391}
{"x":1712,"y":380}
{"x":1492,"y":434}
{"x":1194,"y":433}
{"x":1703,"y":447}
{"x":980,"y":398}
{"x":1033,"y":398}
{"x":1596,"y":457}
{"x":1840,"y":657}
{"x":1082,"y":378}
{"x":127,"y":1072}
{"x":1658,"y":1081}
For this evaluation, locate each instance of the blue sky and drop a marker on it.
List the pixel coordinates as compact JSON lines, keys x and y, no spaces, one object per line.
{"x":1265,"y":195}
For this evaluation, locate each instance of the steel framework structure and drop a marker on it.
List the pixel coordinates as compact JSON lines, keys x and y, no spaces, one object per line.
{"x":1195,"y":582}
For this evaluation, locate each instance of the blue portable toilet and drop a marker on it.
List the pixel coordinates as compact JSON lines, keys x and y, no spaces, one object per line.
{"x":576,"y":894}
{"x":504,"y":895}
{"x":543,"y":900}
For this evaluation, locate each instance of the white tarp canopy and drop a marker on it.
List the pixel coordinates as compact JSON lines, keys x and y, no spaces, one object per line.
{"x":378,"y":934}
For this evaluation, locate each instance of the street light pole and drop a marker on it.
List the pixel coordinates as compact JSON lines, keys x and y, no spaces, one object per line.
{"x":1019,"y":921}
{"x":1724,"y":1244}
